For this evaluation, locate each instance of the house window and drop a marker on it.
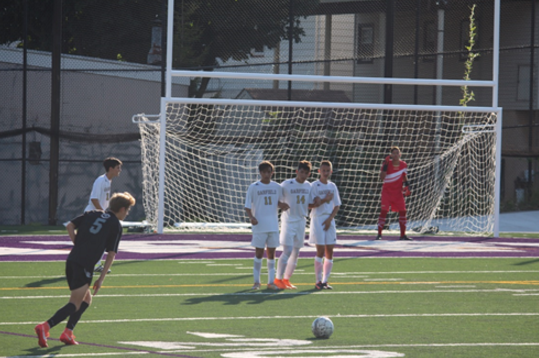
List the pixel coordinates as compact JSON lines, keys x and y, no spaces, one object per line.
{"x":523,"y":84}
{"x":465,"y":38}
{"x":430,"y":37}
{"x":258,"y":51}
{"x":365,"y":43}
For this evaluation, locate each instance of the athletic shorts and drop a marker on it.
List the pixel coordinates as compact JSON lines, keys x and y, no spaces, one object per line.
{"x":293,"y":234}
{"x":319,"y":236}
{"x":395,"y":201}
{"x":265,"y":239}
{"x":77,"y":276}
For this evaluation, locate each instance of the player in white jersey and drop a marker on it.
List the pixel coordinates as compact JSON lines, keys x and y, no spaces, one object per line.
{"x":296,"y":193}
{"x":262,"y":205}
{"x":101,"y":191}
{"x":325,"y":202}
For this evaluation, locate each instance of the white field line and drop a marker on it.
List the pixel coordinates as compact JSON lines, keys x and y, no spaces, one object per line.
{"x":192,"y":319}
{"x":516,"y":292}
{"x":334,"y":274}
{"x":272,"y":349}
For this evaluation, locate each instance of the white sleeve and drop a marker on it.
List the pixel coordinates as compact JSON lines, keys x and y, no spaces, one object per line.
{"x":248,"y":198}
{"x":97,"y":189}
{"x":337,"y":197}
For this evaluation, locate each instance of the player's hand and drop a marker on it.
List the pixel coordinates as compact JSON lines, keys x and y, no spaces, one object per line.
{"x":406,"y":191}
{"x":328,"y":197}
{"x":326,"y":224}
{"x":97,"y":286}
{"x":386,"y":163}
{"x":254,"y":221}
{"x":283,"y":206}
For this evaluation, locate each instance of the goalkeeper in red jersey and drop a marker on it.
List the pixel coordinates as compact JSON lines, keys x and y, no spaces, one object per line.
{"x":394,"y":189}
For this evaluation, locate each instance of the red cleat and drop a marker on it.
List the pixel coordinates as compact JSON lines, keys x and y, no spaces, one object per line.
{"x":42,"y":331}
{"x":288,"y":285}
{"x":279,"y":283}
{"x":68,"y":338}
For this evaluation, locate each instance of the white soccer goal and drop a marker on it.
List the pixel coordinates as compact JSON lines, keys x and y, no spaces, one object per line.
{"x":213,"y":148}
{"x":201,"y":155}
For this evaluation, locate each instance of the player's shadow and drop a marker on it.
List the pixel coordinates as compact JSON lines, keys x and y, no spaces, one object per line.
{"x":39,"y":352}
{"x":44,"y":282}
{"x":526,"y":262}
{"x":248,"y":296}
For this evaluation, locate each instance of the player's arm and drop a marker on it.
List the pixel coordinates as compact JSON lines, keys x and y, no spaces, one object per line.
{"x":108,"y":263}
{"x":283,"y":206}
{"x":96,"y":204}
{"x":385,"y":165}
{"x":251,"y":216}
{"x":71,"y":231}
{"x":405,"y":186}
{"x":327,"y":199}
{"x":327,"y":222}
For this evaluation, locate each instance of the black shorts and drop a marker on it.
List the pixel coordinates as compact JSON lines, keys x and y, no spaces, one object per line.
{"x":77,"y":276}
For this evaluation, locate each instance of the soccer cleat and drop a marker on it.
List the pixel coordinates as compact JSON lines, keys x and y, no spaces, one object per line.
{"x":68,"y":338}
{"x":405,"y":238}
{"x":256,"y":286}
{"x":42,"y":331}
{"x":327,"y":286}
{"x":319,"y":286}
{"x":288,"y":285}
{"x":279,"y":283}
{"x":378,"y":237}
{"x":272,"y":286}
{"x":100,"y":267}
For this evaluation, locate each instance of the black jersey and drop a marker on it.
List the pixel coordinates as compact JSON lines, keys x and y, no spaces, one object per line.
{"x":97,"y":232}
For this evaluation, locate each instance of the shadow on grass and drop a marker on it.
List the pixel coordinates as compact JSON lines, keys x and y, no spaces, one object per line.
{"x":249,"y":297}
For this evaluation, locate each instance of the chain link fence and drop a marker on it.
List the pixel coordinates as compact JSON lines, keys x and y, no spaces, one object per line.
{"x":111,"y":69}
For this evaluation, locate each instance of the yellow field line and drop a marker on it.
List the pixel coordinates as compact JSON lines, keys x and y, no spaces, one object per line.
{"x":533,"y":282}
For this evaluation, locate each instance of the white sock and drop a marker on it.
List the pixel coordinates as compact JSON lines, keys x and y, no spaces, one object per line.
{"x":257,"y":267}
{"x":328,"y":265}
{"x":283,"y":261}
{"x":318,"y":267}
{"x":292,"y":263}
{"x":271,"y":270}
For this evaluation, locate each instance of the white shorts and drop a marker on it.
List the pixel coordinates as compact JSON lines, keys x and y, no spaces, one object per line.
{"x":293,"y":234}
{"x":263,"y":239}
{"x":319,"y":236}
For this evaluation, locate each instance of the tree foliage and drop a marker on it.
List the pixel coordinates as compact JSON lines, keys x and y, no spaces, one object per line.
{"x":205,"y":30}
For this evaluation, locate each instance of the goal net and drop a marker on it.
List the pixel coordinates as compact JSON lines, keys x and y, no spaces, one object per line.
{"x":213,"y":151}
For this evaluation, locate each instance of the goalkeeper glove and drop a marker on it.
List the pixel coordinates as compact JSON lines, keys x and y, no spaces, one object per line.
{"x":406,"y":191}
{"x":385,"y":165}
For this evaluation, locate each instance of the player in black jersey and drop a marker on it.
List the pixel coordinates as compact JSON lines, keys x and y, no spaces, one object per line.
{"x":92,"y":233}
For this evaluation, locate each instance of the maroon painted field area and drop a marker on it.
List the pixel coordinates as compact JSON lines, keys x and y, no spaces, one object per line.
{"x":204,"y":246}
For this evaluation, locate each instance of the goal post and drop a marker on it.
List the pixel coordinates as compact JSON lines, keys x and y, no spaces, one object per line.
{"x":207,"y":151}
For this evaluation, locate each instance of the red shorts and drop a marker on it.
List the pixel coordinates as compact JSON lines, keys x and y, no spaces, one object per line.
{"x":395,"y":201}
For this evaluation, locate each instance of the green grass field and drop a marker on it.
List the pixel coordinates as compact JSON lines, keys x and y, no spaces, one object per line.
{"x":408,"y":307}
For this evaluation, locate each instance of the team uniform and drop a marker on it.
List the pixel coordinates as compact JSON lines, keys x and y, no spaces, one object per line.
{"x":318,"y":235}
{"x":262,"y":199}
{"x":293,"y":220}
{"x":101,"y":191}
{"x":97,"y":231}
{"x":392,"y":188}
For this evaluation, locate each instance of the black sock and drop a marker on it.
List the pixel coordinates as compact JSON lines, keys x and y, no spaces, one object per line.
{"x":75,"y":317}
{"x":62,"y":314}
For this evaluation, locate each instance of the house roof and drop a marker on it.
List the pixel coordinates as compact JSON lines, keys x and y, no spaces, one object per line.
{"x":297,"y":95}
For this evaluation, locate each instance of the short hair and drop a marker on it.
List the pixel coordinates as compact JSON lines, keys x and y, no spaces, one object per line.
{"x":111,"y":162}
{"x":326,"y":162}
{"x":305,"y":165}
{"x":265,"y":165}
{"x":121,"y":200}
{"x":393,"y":148}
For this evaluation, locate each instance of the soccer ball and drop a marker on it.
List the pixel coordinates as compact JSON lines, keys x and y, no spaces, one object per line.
{"x":322,"y":327}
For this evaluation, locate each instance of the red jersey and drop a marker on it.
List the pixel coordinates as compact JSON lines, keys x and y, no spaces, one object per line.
{"x":394,"y":178}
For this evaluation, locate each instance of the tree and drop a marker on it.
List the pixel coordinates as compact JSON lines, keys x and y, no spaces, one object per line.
{"x":206,"y":30}
{"x":231,"y":29}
